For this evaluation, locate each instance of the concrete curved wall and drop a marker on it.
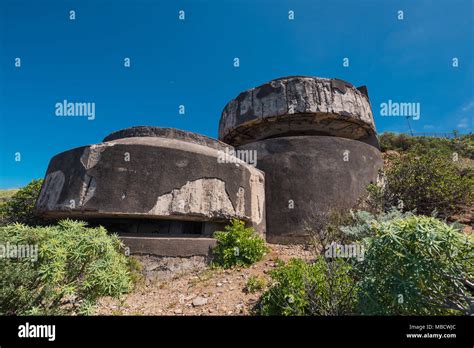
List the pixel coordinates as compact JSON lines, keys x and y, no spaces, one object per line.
{"x":152,"y":178}
{"x":169,"y":133}
{"x":311,"y":171}
{"x":298,"y":105}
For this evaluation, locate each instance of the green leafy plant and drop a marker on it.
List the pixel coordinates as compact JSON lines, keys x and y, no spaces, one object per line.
{"x":238,"y":246}
{"x":136,"y":270}
{"x":20,"y":206}
{"x":5,"y":195}
{"x":72,"y":267}
{"x":363,"y":222}
{"x":323,"y":228}
{"x":300,"y":288}
{"x":255,"y":284}
{"x":415,"y":265}
{"x":462,"y":145}
{"x":428,"y":183}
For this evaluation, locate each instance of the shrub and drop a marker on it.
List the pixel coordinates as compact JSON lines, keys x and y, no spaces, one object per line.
{"x":375,"y":199}
{"x":320,"y":288}
{"x":75,"y":265}
{"x":323,"y":228}
{"x":136,"y":270}
{"x":363,"y":222}
{"x":5,"y":195}
{"x":19,"y":207}
{"x":238,"y":246}
{"x":255,"y":284}
{"x":415,"y":266}
{"x":463,"y":145}
{"x":427,"y":183}
{"x":398,"y":142}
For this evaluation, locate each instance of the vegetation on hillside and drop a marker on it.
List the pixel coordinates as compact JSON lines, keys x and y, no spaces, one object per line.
{"x":463,"y":145}
{"x":5,"y":195}
{"x":62,"y":269}
{"x":410,"y":264}
{"x":428,"y":183}
{"x":19,"y":207}
{"x":238,"y":246}
{"x":409,"y":259}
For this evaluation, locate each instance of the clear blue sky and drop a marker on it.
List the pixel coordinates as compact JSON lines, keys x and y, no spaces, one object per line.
{"x":190,"y":62}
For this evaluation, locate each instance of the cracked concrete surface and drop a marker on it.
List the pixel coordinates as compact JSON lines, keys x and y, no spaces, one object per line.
{"x":51,"y":190}
{"x":203,"y":197}
{"x":297,"y":126}
{"x":159,"y":178}
{"x":297,"y":106}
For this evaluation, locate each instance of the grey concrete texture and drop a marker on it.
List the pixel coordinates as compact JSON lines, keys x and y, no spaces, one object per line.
{"x":316,"y":147}
{"x":169,"y":133}
{"x":153,"y":177}
{"x":168,"y":246}
{"x":298,"y":105}
{"x":319,"y":174}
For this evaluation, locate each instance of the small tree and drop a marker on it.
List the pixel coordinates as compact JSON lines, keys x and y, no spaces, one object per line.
{"x":19,"y":208}
{"x":324,"y":287}
{"x":415,"y":265}
{"x":238,"y":246}
{"x":429,"y":183}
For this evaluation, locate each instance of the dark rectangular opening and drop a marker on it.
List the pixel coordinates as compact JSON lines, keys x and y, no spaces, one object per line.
{"x":160,"y":227}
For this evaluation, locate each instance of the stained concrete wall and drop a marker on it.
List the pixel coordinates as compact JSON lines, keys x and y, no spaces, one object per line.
{"x":168,"y":246}
{"x":153,"y":176}
{"x":302,"y":129}
{"x":309,"y":176}
{"x":298,"y":105}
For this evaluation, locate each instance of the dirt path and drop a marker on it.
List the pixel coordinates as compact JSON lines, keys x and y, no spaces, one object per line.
{"x":197,"y":290}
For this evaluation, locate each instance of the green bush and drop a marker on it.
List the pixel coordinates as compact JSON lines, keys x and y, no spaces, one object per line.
{"x":238,"y":246}
{"x":5,"y":195}
{"x":463,"y":145}
{"x":320,"y":288}
{"x":395,"y":142}
{"x":255,"y":284}
{"x":428,"y":183}
{"x":322,"y":228}
{"x":75,"y":265}
{"x":362,"y":222}
{"x":411,"y":265}
{"x":415,"y":266}
{"x":19,"y":207}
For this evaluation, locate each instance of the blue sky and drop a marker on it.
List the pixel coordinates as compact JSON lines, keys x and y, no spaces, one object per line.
{"x":190,"y":63}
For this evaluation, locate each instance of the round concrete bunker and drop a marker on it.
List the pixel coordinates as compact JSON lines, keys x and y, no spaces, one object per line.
{"x":314,"y":139}
{"x":150,"y":181}
{"x":298,"y":105}
{"x":307,"y":177}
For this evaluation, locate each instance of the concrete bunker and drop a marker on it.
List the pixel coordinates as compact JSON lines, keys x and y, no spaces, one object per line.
{"x":315,"y":141}
{"x":165,"y":191}
{"x":149,"y":182}
{"x":298,"y":105}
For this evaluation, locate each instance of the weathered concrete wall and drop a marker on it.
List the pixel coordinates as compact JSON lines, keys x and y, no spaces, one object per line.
{"x":153,"y":176}
{"x":170,"y":133}
{"x":315,"y":140}
{"x":168,"y":246}
{"x":308,"y":176}
{"x":298,"y":106}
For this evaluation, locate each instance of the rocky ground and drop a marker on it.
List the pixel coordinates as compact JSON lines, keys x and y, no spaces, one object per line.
{"x":188,"y":286}
{"x":173,"y":286}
